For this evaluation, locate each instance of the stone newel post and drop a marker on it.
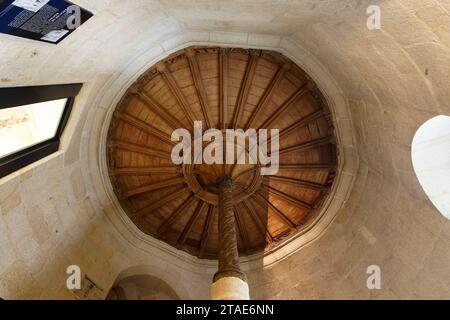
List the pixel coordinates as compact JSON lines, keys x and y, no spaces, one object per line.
{"x":229,"y":283}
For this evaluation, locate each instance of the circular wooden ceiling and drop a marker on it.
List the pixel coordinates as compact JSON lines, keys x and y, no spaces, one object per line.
{"x":223,"y":88}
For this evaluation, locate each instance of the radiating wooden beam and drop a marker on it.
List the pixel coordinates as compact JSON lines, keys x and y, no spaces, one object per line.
{"x":301,"y":166}
{"x":140,"y":149}
{"x":198,"y":83}
{"x":301,"y":123}
{"x":223,"y":88}
{"x":298,"y":182}
{"x":178,"y":211}
{"x":242,"y":230}
{"x":285,"y":106}
{"x":288,"y":198}
{"x":282,"y":217}
{"x":144,"y":171}
{"x":192,"y":220}
{"x":161,"y":202}
{"x":307,"y":145}
{"x":154,"y":186}
{"x":297,"y":125}
{"x":261,"y":226}
{"x":206,"y":230}
{"x":176,"y":91}
{"x":267,"y":95}
{"x":154,"y":107}
{"x":245,"y":87}
{"x":141,"y":125}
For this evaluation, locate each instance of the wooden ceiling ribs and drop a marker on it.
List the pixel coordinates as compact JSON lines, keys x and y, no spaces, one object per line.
{"x":259,"y":197}
{"x":262,"y":225}
{"x":160,"y":111}
{"x":176,"y":91}
{"x":201,"y":82}
{"x":144,"y":126}
{"x":282,"y":109}
{"x":298,"y":182}
{"x":301,"y":123}
{"x":154,"y":186}
{"x":206,"y":230}
{"x":192,"y":220}
{"x":145,"y":171}
{"x":242,"y":230}
{"x":160,"y":202}
{"x":270,"y":90}
{"x":245,"y":88}
{"x":132,"y":147}
{"x":178,"y":211}
{"x":307,"y":145}
{"x":223,"y":88}
{"x":198,"y":82}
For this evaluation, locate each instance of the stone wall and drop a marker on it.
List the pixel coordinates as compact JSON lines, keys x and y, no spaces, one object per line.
{"x":393,"y":80}
{"x":49,"y":219}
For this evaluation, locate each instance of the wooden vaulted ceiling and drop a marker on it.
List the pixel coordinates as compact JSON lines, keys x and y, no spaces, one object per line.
{"x":224,"y":88}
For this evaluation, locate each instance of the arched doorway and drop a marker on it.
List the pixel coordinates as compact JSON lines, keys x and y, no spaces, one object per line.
{"x":141,"y":287}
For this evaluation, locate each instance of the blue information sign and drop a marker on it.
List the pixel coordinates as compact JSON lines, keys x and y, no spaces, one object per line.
{"x":43,"y":20}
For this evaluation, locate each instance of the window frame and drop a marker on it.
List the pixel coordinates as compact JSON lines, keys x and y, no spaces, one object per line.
{"x":18,"y":96}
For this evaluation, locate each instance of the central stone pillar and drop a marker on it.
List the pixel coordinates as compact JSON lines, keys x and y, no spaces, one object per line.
{"x":229,"y":283}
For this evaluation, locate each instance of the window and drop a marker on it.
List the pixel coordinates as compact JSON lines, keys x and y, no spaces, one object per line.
{"x":431,"y":161}
{"x":32,"y":120}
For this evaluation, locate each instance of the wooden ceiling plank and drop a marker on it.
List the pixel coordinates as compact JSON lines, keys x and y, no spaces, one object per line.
{"x":206,"y":230}
{"x":300,"y":92}
{"x":311,"y":166}
{"x":140,"y":149}
{"x":245,"y":87}
{"x":154,"y":186}
{"x":267,"y":94}
{"x":282,"y":217}
{"x":198,"y":83}
{"x":299,"y":182}
{"x":241,"y":229}
{"x":144,"y":171}
{"x":178,"y":211}
{"x":289,"y":198}
{"x":261,"y":226}
{"x":160,"y":203}
{"x":192,"y":220}
{"x":223,"y":88}
{"x":301,"y":123}
{"x":141,"y":125}
{"x":297,"y":125}
{"x":159,"y":110}
{"x":176,"y":91}
{"x":307,"y":145}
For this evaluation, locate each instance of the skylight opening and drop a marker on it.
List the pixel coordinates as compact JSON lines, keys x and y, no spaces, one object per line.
{"x":32,"y":121}
{"x":431,"y":161}
{"x":24,"y":126}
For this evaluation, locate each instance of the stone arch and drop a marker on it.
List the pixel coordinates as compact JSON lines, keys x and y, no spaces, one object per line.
{"x":142,"y":287}
{"x":145,"y":282}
